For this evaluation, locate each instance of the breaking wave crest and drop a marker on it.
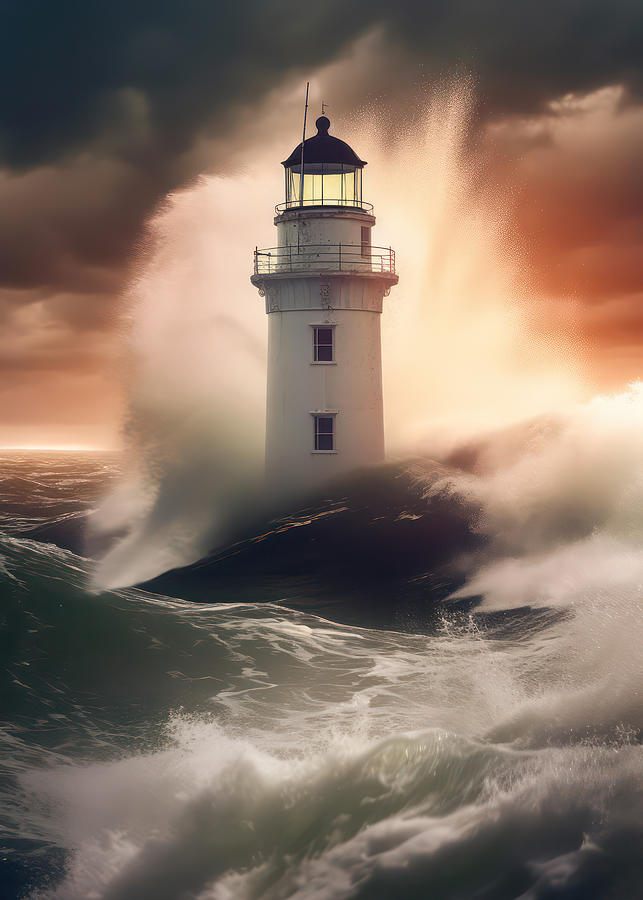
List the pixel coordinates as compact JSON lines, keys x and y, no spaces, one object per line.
{"x":162,"y":748}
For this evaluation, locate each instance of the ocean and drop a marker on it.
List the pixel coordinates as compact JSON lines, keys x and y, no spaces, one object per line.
{"x":424,"y":684}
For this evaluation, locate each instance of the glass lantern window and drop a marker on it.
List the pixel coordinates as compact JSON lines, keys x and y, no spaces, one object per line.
{"x":324,"y":184}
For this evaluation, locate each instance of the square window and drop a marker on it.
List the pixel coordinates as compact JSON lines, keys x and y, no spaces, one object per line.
{"x":323,"y":344}
{"x":324,"y":432}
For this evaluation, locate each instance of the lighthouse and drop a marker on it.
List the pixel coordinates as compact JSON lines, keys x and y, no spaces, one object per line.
{"x":324,"y":285}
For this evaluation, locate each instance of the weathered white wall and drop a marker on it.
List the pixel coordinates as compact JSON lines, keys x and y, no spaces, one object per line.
{"x":351,"y":386}
{"x":321,"y":291}
{"x":321,"y":227}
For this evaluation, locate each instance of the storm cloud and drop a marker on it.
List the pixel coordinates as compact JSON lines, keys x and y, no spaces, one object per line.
{"x":139,"y":79}
{"x":106,"y":107}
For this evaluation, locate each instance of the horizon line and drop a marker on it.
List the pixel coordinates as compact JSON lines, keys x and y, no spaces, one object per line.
{"x":66,"y":448}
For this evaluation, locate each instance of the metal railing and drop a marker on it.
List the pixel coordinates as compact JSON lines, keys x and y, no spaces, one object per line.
{"x":325,"y":258}
{"x":323,"y":201}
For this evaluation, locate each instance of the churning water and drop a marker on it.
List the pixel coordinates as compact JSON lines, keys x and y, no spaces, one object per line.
{"x":482,"y":741}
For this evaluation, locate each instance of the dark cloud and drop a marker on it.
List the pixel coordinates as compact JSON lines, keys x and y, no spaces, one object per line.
{"x":72,"y":226}
{"x":73,"y":71}
{"x":524,"y":54}
{"x":104,"y":107}
{"x":101,"y":103}
{"x":157,"y":71}
{"x":138,"y":81}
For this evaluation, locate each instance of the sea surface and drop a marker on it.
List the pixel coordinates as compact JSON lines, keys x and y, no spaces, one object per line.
{"x":339,"y":715}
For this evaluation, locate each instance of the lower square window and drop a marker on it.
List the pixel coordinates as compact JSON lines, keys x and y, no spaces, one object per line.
{"x":324,"y":432}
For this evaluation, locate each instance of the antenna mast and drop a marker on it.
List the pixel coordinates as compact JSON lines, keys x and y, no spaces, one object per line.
{"x":303,"y":141}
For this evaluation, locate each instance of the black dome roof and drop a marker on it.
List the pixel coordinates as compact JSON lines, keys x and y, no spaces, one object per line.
{"x":323,"y":148}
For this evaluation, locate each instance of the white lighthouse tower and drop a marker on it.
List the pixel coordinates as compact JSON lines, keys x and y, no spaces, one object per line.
{"x":324,"y":284}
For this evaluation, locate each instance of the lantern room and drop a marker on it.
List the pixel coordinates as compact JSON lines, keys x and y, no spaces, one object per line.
{"x":324,"y":171}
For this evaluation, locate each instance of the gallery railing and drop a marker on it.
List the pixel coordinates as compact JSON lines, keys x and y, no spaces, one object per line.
{"x":323,"y":201}
{"x":358,"y":258}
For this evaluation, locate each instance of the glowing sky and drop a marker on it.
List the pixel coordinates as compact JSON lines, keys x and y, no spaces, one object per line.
{"x":517,"y":221}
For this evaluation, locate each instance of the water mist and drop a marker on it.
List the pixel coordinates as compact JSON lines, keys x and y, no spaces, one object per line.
{"x":195,"y":387}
